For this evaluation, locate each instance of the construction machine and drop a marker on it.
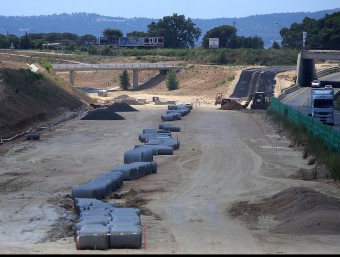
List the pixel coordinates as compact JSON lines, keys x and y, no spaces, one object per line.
{"x":259,"y":101}
{"x":248,"y":101}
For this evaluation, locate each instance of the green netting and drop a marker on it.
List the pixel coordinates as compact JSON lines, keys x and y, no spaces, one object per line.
{"x":327,"y":134}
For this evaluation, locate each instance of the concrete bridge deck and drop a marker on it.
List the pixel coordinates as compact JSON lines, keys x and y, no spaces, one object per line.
{"x":135,"y":67}
{"x":113,"y":66}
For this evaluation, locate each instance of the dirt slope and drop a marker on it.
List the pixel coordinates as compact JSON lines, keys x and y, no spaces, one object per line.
{"x":29,"y":98}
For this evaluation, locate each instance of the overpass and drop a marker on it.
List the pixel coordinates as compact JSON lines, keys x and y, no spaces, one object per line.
{"x":135,"y":67}
{"x":305,"y":68}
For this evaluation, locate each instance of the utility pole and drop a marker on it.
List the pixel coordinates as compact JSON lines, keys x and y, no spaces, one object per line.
{"x":279,"y":32}
{"x":304,"y":35}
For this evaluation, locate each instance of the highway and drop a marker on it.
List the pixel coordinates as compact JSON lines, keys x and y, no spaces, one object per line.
{"x":299,"y":98}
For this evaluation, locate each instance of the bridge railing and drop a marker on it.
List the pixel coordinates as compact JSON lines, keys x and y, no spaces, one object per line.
{"x":329,"y":136}
{"x":120,"y":66}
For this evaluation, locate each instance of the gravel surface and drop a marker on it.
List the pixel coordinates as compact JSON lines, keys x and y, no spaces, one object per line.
{"x":228,"y":189}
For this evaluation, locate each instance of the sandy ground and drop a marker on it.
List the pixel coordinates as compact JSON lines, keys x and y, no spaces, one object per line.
{"x":224,"y":157}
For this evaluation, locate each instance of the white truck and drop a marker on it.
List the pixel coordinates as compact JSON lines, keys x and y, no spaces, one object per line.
{"x":321,"y":105}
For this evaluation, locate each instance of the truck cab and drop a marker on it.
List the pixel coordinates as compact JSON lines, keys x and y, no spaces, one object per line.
{"x":321,"y":106}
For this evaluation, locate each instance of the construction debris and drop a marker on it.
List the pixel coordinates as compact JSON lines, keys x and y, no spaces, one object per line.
{"x":232,"y":105}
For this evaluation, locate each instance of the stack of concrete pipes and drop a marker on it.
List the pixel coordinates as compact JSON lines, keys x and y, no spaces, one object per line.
{"x":102,"y":225}
{"x":176,"y":112}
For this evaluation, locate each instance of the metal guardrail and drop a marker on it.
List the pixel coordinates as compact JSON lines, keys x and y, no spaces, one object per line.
{"x":327,"y":71}
{"x":288,"y":91}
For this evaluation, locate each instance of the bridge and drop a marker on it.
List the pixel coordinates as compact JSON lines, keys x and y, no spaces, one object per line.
{"x":305,"y":69}
{"x":135,"y":67}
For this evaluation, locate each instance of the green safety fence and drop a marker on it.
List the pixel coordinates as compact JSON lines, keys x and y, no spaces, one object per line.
{"x":329,"y":136}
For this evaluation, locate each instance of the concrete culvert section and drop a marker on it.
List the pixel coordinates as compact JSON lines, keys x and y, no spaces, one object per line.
{"x":126,"y":237}
{"x":147,"y":135}
{"x":171,"y":117}
{"x":102,"y":226}
{"x":139,"y":154}
{"x":32,"y":136}
{"x":136,"y":170}
{"x":171,"y":128}
{"x":159,"y":149}
{"x":183,"y":112}
{"x":100,"y":187}
{"x":93,"y":238}
{"x":164,"y":142}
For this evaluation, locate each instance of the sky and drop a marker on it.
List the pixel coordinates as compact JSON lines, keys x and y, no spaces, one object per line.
{"x":157,"y":9}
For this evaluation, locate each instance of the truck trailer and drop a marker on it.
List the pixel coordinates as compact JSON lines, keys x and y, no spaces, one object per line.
{"x":321,"y":105}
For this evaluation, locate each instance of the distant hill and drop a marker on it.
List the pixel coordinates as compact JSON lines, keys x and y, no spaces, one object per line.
{"x":266,"y":26}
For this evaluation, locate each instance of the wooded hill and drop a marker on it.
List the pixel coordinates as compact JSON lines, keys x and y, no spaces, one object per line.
{"x":265,"y":26}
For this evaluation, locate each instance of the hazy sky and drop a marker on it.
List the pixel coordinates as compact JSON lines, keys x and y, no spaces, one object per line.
{"x":159,"y":8}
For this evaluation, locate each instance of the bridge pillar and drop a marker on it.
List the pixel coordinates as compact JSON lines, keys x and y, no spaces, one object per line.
{"x":71,"y":78}
{"x":305,"y":71}
{"x":299,"y":70}
{"x":135,"y":79}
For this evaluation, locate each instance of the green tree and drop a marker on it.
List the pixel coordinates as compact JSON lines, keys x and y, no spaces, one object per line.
{"x":228,"y":38}
{"x":37,"y":44}
{"x":110,"y":33}
{"x":13,"y":39}
{"x":25,"y":42}
{"x":323,"y":33}
{"x":92,"y":50}
{"x":171,"y":80}
{"x":71,"y":47}
{"x":178,"y":32}
{"x":250,"y":42}
{"x":113,"y":36}
{"x":124,"y":80}
{"x":88,"y":40}
{"x":69,"y":37}
{"x":53,"y":37}
{"x":224,"y":33}
{"x":137,"y":34}
{"x":276,"y":45}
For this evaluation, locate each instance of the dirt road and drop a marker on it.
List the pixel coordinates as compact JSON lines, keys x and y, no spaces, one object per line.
{"x":224,"y":157}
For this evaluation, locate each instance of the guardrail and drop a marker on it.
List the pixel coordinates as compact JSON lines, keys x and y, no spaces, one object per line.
{"x":288,"y":91}
{"x":327,"y":71}
{"x":113,"y":66}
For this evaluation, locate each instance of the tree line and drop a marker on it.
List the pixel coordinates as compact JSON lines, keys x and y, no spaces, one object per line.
{"x":180,"y":32}
{"x":323,"y":33}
